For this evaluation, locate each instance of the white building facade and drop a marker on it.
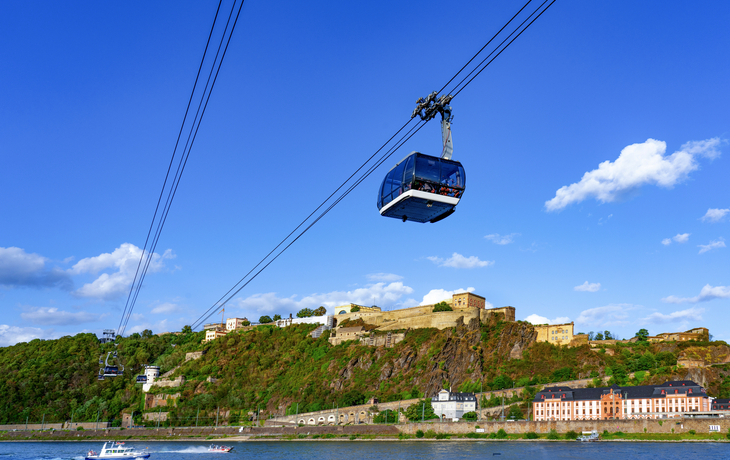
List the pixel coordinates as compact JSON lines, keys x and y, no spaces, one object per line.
{"x":453,"y":405}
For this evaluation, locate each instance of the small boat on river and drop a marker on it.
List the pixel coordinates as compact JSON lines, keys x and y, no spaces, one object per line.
{"x":115,"y":450}
{"x":219,"y":449}
{"x":588,"y":436}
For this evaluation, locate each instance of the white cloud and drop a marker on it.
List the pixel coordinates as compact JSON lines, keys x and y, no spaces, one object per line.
{"x":124,"y":260}
{"x":458,"y":261}
{"x":54,"y":317}
{"x":588,"y":287}
{"x":496,"y":238}
{"x":21,"y":269}
{"x":679,"y":238}
{"x":537,"y":319}
{"x":438,"y":295}
{"x":714,"y":215}
{"x":683,"y":316}
{"x":609,"y":315}
{"x":707,"y":293}
{"x":10,"y":335}
{"x":637,"y":165}
{"x":166,"y":308}
{"x":381,"y":294}
{"x":718,"y":243}
{"x":385,"y":277}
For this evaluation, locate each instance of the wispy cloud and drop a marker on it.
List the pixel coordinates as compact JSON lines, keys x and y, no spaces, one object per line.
{"x":679,"y":238}
{"x":682,"y":316}
{"x":588,"y":287}
{"x":537,"y":319}
{"x":10,"y":335}
{"x":496,"y":238}
{"x":707,"y":293}
{"x":385,"y":277}
{"x":458,"y":261}
{"x":49,"y":316}
{"x":637,"y":165}
{"x":123,"y":263}
{"x":21,"y":269}
{"x":166,"y":308}
{"x":714,"y":215}
{"x":381,"y":294}
{"x":609,"y":315}
{"x":716,"y":244}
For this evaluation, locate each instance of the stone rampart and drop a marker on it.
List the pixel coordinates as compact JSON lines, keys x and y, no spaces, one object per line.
{"x":675,"y":425}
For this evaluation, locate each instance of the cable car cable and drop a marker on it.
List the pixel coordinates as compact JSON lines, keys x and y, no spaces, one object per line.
{"x":189,"y":145}
{"x":169,"y":167}
{"x":206,"y":315}
{"x":140,"y":275}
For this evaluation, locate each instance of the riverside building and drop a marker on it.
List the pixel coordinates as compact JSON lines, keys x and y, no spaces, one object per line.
{"x":670,"y":399}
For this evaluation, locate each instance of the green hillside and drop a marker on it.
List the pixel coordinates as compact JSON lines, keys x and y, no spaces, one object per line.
{"x":281,"y":370}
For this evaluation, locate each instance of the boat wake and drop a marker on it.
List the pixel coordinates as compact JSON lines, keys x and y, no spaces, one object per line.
{"x":188,"y":450}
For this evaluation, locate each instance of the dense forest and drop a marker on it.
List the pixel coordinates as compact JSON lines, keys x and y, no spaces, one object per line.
{"x":282,"y":370}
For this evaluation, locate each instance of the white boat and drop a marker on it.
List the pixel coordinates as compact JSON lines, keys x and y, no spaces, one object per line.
{"x":588,"y":436}
{"x":113,"y":449}
{"x":219,"y":449}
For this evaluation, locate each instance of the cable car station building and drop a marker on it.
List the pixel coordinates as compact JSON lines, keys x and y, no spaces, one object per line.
{"x":670,"y":399}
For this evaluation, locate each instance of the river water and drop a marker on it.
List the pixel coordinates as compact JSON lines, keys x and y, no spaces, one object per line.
{"x":381,"y":450}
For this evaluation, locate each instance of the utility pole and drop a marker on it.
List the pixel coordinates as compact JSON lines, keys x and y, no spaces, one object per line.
{"x":43,"y":423}
{"x":196,"y":418}
{"x":98,"y":411}
{"x":398,"y":413}
{"x":159,"y":415}
{"x":26,"y":423}
{"x":423,"y":410}
{"x":217,"y":411}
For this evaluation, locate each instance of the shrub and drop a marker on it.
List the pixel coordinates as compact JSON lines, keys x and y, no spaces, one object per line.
{"x":81,"y":428}
{"x":353,"y":437}
{"x":470,"y":416}
{"x":553,"y":435}
{"x":442,"y":436}
{"x":442,"y":306}
{"x":571,"y":435}
{"x":531,"y":435}
{"x":430,"y":434}
{"x":419,"y":433}
{"x":354,"y":309}
{"x":661,"y":422}
{"x":501,"y":434}
{"x":692,"y":432}
{"x":328,"y":436}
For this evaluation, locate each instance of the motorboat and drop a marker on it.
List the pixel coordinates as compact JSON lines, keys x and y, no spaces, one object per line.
{"x":588,"y":436}
{"x":219,"y":449}
{"x":115,"y":449}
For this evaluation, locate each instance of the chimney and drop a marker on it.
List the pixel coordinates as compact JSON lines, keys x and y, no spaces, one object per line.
{"x":290,"y":316}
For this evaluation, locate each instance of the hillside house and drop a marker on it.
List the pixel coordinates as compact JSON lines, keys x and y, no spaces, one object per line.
{"x":448,"y":405}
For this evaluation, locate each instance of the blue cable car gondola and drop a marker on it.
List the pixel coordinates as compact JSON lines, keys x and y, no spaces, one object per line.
{"x":424,"y":188}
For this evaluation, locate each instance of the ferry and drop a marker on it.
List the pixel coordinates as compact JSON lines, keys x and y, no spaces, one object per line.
{"x":219,"y":449}
{"x":112,"y":450}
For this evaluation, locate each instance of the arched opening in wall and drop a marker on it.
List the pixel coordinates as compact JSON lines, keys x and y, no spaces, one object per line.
{"x":320,"y":421}
{"x":301,"y":422}
{"x":343,"y":419}
{"x":331,"y":419}
{"x":351,"y":417}
{"x":311,"y":421}
{"x":363,"y":418}
{"x":334,"y":323}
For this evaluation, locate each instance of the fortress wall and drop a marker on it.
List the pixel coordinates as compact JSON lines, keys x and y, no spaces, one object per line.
{"x":679,"y":425}
{"x":439,"y":320}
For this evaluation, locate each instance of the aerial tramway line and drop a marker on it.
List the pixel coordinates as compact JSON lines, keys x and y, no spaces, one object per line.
{"x":420,"y":188}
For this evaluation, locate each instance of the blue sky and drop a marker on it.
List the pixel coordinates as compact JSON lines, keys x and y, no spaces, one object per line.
{"x":596,"y":151}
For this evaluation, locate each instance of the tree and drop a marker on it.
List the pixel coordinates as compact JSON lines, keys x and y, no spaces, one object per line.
{"x":442,"y":306}
{"x":470,"y":416}
{"x":515,"y":413}
{"x":598,"y":336}
{"x":386,"y":416}
{"x":321,"y":311}
{"x":276,"y":317}
{"x":246,"y":323}
{"x":421,"y":408}
{"x":642,"y":335}
{"x":305,"y":313}
{"x":265,"y":319}
{"x":187,"y":329}
{"x":355,"y":309}
{"x":146,"y":334}
{"x":608,"y":336}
